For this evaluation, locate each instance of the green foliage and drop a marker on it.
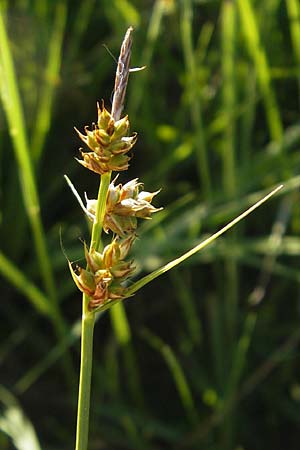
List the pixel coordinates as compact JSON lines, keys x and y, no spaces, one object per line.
{"x":205,"y":357}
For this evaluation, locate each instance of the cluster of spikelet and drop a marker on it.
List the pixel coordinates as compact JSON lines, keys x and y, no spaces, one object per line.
{"x":106,"y":271}
{"x":108,"y":142}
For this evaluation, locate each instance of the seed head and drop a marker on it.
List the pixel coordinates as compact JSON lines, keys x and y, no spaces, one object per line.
{"x":124,"y":204}
{"x":108,"y":142}
{"x":105,"y":273}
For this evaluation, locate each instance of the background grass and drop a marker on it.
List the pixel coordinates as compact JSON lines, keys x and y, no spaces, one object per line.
{"x":206,"y":356}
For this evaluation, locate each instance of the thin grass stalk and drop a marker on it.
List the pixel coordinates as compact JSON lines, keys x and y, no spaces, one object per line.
{"x":84,"y":394}
{"x":110,"y":366}
{"x":248,"y":117}
{"x":88,"y":317}
{"x":177,"y":373}
{"x":43,"y":117}
{"x":123,"y":336}
{"x":187,"y":303}
{"x":24,"y":285}
{"x":251,"y":33}
{"x":231,"y":389}
{"x":193,"y":89}
{"x":204,"y":41}
{"x":239,"y":360}
{"x":81,"y":22}
{"x":216,"y":332}
{"x":151,"y":39}
{"x":133,"y":433}
{"x":275,"y":245}
{"x":228,"y":19}
{"x":100,"y":212}
{"x":229,"y":95}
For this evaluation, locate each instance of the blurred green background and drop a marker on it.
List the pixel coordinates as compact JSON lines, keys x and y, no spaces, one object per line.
{"x":207,"y":356}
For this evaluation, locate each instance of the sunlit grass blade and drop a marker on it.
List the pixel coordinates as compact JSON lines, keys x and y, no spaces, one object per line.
{"x":81,"y":22}
{"x":127,"y":11}
{"x":51,"y":78}
{"x":15,"y":424}
{"x":123,"y":336}
{"x":158,"y":11}
{"x":111,"y":368}
{"x":254,"y":44}
{"x":229,"y":96}
{"x":177,"y":373}
{"x":17,"y":128}
{"x":193,"y":89}
{"x":24,"y":285}
{"x":145,"y":280}
{"x":204,"y":40}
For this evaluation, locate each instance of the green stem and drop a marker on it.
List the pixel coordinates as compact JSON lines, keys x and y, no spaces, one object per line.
{"x":100,"y":211}
{"x":82,"y":430}
{"x":87,"y":330}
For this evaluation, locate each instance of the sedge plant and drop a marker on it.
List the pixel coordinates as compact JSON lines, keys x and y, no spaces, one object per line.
{"x":104,"y":280}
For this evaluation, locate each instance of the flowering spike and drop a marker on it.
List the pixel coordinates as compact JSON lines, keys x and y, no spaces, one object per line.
{"x":105,"y":270}
{"x":108,"y":142}
{"x":108,"y":150}
{"x":124,"y":204}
